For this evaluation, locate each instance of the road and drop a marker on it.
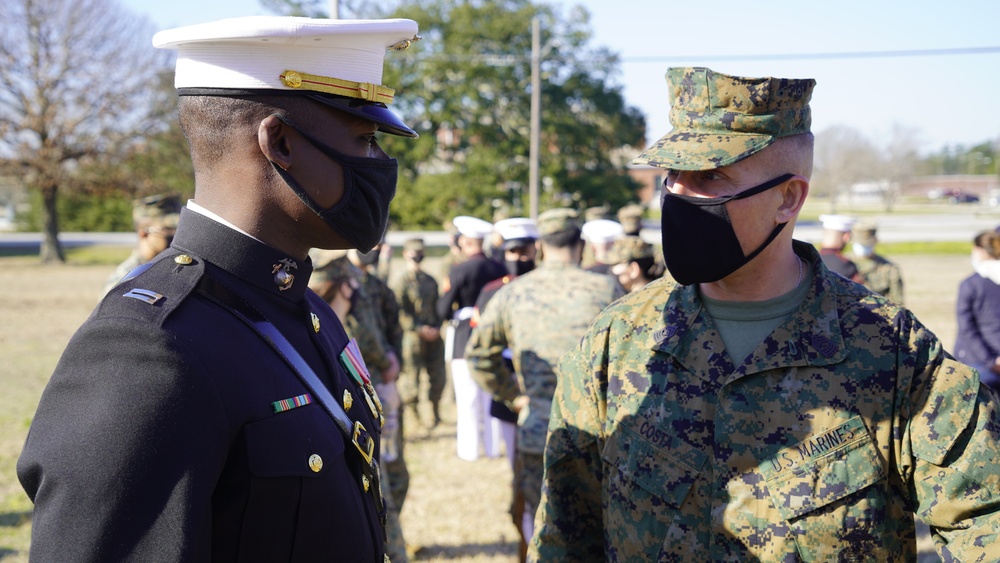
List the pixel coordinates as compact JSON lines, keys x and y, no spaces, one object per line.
{"x":892,"y":228}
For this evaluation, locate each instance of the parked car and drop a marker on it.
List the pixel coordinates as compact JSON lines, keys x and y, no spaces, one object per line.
{"x":958,"y":196}
{"x":952,"y":196}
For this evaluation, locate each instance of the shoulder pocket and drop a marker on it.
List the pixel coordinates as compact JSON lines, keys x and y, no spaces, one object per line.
{"x":822,"y":469}
{"x":283,"y":445}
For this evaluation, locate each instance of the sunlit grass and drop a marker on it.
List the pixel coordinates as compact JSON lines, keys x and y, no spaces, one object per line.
{"x":94,"y":255}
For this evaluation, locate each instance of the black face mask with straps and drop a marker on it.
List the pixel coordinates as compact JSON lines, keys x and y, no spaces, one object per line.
{"x":362,"y":214}
{"x":519,"y":267}
{"x":699,"y":243}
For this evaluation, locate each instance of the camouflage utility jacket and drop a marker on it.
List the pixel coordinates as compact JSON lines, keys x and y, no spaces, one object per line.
{"x":881,"y":276}
{"x":821,"y":446}
{"x":540,"y":316}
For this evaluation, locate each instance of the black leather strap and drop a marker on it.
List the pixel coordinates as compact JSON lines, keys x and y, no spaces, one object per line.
{"x":354,"y":432}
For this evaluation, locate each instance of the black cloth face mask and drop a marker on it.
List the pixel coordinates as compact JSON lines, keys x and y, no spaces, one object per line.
{"x":362,"y":214}
{"x":699,"y":243}
{"x":519,"y":267}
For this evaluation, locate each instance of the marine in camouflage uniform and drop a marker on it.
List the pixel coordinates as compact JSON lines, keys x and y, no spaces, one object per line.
{"x":630,"y":217}
{"x":878,"y":274}
{"x":379,"y":303}
{"x":334,"y":269}
{"x":422,"y":347}
{"x":154,"y":219}
{"x":843,"y":419}
{"x":383,"y":300}
{"x":540,"y":316}
{"x":634,"y":262}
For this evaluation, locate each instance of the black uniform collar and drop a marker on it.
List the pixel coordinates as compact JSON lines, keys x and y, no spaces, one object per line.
{"x":241,"y":255}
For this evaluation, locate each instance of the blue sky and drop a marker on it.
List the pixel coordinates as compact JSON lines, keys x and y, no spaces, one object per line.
{"x":941,"y":99}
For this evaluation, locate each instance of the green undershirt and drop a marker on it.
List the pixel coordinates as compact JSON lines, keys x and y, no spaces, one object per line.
{"x":743,"y":325}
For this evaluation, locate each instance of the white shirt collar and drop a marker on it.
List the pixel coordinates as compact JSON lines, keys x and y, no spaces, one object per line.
{"x":205,"y":212}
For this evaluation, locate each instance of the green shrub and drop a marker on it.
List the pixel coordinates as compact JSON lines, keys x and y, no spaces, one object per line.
{"x":80,"y":213}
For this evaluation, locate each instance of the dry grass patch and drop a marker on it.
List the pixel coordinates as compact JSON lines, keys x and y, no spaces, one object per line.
{"x":456,"y":511}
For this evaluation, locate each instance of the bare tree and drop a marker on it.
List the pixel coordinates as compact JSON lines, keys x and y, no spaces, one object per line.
{"x":76,"y":81}
{"x":900,"y":160}
{"x":844,"y":157}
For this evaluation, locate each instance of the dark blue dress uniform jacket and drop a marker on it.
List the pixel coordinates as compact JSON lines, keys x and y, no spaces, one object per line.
{"x":156,"y":438}
{"x":467,"y":280}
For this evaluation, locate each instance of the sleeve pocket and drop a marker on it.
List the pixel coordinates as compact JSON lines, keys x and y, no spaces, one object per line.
{"x":285,"y":444}
{"x":665,"y":472}
{"x":815,"y":475}
{"x":944,"y":413}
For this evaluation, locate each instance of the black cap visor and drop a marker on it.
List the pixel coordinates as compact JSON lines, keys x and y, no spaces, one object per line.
{"x":518,"y":243}
{"x":375,"y":112}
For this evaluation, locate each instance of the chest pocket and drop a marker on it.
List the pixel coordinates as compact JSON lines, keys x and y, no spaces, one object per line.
{"x":666,"y":470}
{"x":823,"y":469}
{"x":648,"y":475}
{"x":296,"y":443}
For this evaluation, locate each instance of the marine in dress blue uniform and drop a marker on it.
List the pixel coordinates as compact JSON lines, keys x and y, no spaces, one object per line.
{"x":836,"y":233}
{"x":474,"y":425}
{"x":171,"y":429}
{"x":600,"y":235}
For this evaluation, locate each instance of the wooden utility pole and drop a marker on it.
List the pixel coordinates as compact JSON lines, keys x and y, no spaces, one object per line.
{"x":536,"y":107}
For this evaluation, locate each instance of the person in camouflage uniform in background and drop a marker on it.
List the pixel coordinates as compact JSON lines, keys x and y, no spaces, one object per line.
{"x":422,"y":347}
{"x":451,"y":258}
{"x":382,"y":298}
{"x":337,"y":281}
{"x":154,"y":219}
{"x":877,"y":273}
{"x":761,"y":408}
{"x":540,"y":316}
{"x":634,"y":262}
{"x":630,"y":217}
{"x":379,"y":303}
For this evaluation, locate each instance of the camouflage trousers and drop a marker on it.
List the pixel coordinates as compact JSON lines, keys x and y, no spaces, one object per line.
{"x":419,"y":355}
{"x":528,"y":481}
{"x":395,"y":544}
{"x":399,"y":475}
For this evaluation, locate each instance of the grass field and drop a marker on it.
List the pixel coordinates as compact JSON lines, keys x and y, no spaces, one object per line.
{"x":455,"y":511}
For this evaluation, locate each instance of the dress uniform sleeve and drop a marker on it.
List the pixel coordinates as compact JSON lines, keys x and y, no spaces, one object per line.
{"x":949,"y":449}
{"x":568,"y":524}
{"x":125,"y":449}
{"x":484,"y":351}
{"x":450,"y":297}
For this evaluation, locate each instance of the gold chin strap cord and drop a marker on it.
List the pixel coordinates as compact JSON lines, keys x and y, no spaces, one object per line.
{"x":361,"y":90}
